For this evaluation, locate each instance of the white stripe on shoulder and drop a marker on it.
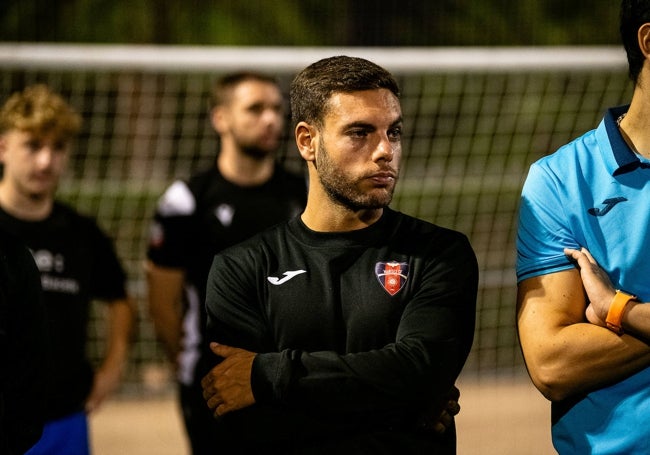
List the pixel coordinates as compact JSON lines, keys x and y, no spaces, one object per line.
{"x":177,"y":200}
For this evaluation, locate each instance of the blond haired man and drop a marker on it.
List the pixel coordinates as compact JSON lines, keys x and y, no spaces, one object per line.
{"x":76,"y":260}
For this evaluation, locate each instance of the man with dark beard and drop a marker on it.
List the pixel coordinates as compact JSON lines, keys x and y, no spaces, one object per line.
{"x":245,"y":192}
{"x":342,"y":331}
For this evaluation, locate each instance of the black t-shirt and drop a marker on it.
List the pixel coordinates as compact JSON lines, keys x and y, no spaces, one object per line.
{"x":77,"y":264}
{"x":359,"y":332}
{"x":195,"y":220}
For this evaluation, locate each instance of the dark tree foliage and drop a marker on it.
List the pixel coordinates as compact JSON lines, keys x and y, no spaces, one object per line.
{"x":312,"y":22}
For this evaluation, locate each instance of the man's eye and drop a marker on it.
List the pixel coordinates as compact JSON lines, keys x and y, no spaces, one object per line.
{"x":358,"y":133}
{"x":256,"y":109}
{"x":33,"y":145}
{"x":395,"y":133}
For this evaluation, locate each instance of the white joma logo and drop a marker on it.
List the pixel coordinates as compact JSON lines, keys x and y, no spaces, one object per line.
{"x":287,"y":276}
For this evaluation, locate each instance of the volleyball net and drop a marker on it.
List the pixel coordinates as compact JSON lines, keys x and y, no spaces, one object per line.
{"x":474,"y":120}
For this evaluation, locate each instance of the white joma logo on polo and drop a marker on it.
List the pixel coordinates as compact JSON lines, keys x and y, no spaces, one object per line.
{"x":287,"y":276}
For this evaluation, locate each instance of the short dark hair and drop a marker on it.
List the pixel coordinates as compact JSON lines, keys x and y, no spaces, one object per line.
{"x":312,"y":88}
{"x":223,"y":87}
{"x":634,"y":13}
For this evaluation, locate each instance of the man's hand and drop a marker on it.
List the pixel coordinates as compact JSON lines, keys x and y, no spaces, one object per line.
{"x":598,"y":287}
{"x":106,"y":380}
{"x":439,"y":422}
{"x":227,"y":387}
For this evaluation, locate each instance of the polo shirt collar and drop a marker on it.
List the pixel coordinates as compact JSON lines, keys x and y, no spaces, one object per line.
{"x":625,"y":160}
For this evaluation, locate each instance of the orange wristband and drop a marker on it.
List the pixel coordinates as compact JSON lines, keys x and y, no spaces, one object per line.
{"x":615,"y":313}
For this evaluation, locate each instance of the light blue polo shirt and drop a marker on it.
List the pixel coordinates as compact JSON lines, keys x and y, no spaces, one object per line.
{"x":594,"y":192}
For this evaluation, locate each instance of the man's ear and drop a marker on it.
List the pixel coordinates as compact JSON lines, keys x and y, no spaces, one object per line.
{"x":218,"y":119}
{"x":644,"y":39}
{"x":306,"y":140}
{"x":3,"y":147}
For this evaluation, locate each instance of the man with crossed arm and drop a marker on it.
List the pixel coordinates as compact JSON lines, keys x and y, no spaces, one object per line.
{"x":344,"y":329}
{"x":586,"y":343}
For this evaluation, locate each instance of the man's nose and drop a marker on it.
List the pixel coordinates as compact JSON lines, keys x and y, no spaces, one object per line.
{"x":385,"y":149}
{"x":44,"y":156}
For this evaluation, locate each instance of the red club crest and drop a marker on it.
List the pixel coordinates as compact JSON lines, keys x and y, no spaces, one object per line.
{"x":392,"y":275}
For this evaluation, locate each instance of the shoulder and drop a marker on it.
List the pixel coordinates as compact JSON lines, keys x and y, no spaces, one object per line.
{"x":177,"y":200}
{"x":77,"y":225}
{"x":573,"y":168}
{"x":180,"y":198}
{"x":204,"y":178}
{"x":569,"y":156}
{"x":423,"y":238}
{"x":270,"y":241}
{"x":65,"y":213}
{"x":417,"y":226}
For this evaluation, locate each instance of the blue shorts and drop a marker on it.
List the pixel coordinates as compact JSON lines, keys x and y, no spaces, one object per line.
{"x":68,"y":435}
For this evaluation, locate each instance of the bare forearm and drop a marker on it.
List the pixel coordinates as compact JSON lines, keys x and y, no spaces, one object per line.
{"x":121,"y":324}
{"x":165,"y":289}
{"x":168,"y":330}
{"x":636,"y":320}
{"x":584,"y":357}
{"x":565,"y":354}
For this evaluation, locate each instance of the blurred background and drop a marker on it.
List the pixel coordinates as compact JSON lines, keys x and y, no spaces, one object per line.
{"x":471,"y":131}
{"x":313,"y":22}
